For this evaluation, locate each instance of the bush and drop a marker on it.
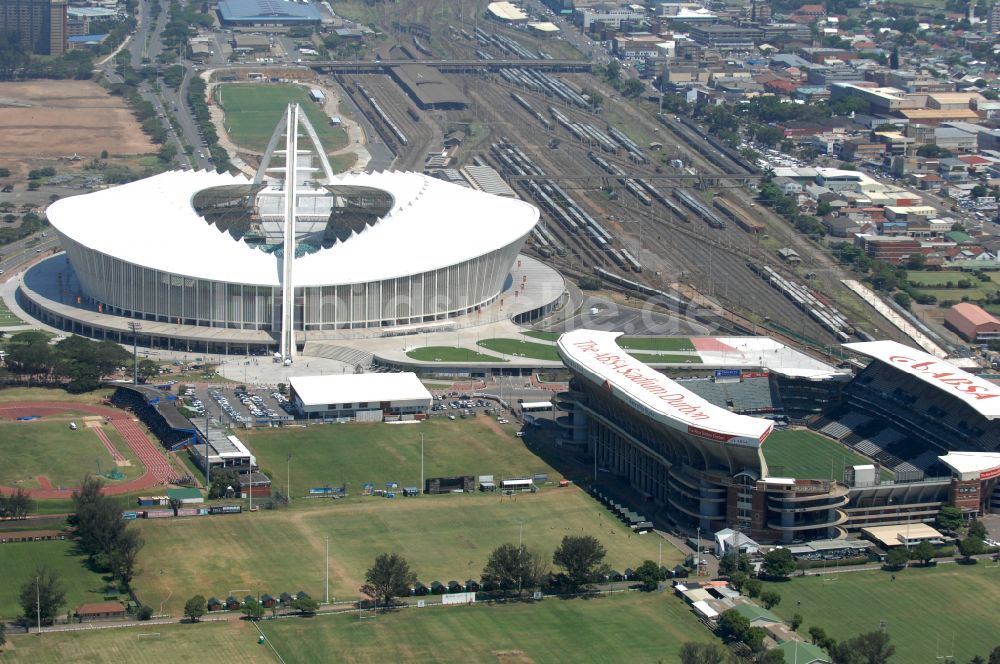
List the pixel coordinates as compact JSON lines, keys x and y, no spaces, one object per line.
{"x":145,"y":612}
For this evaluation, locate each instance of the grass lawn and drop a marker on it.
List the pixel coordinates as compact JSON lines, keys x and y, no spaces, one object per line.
{"x":252,"y":111}
{"x":933,"y":283}
{"x":49,"y":448}
{"x":856,"y":602}
{"x":6,"y":317}
{"x":18,"y":560}
{"x":21,"y":394}
{"x":544,"y":336}
{"x":231,"y":641}
{"x":633,"y":627}
{"x":443,"y":537}
{"x":332,"y":454}
{"x":656,"y":343}
{"x":521,"y":348}
{"x":806,"y":454}
{"x":654,"y":358}
{"x":450,"y":354}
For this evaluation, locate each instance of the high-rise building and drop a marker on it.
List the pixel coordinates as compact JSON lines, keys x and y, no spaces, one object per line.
{"x":994,"y":19}
{"x":42,"y":24}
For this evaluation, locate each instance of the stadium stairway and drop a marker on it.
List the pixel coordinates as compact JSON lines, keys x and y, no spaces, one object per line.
{"x":351,"y":356}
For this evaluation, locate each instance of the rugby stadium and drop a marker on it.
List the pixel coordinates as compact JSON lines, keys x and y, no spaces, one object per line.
{"x":912,"y":434}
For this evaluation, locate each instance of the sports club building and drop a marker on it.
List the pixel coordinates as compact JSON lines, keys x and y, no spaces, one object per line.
{"x":703,"y":463}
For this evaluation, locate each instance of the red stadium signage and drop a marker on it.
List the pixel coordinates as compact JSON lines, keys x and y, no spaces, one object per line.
{"x":949,"y":376}
{"x":620,"y":364}
{"x":989,"y":474}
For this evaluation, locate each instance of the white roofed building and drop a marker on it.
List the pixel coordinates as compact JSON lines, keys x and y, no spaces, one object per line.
{"x":368,"y":397}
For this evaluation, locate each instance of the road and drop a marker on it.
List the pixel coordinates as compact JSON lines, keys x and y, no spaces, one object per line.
{"x":16,"y":253}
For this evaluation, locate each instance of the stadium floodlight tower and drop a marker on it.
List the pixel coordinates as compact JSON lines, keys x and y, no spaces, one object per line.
{"x":287,"y":186}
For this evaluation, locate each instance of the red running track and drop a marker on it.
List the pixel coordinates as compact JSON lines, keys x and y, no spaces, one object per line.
{"x":157,"y":469}
{"x":112,"y":450}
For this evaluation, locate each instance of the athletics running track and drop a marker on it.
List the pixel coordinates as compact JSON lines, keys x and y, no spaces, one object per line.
{"x":157,"y":469}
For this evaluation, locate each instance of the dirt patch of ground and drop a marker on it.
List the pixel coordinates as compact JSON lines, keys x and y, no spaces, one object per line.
{"x":42,"y":120}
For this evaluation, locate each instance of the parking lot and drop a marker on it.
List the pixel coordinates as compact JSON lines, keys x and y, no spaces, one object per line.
{"x":241,"y":407}
{"x":464,"y":405}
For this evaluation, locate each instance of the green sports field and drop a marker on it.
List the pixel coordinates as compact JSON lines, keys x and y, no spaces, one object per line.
{"x":234,"y":641}
{"x":7,"y":317}
{"x":332,"y":454}
{"x":252,"y":111}
{"x":450,"y":354}
{"x":930,"y":613}
{"x":521,"y":348}
{"x":806,"y":454}
{"x":656,"y":343}
{"x":443,"y":537}
{"x":636,"y":627}
{"x":18,"y":560}
{"x":23,"y":394}
{"x":50,"y":448}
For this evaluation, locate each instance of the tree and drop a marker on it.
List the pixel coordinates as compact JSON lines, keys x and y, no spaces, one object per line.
{"x":779,"y":563}
{"x":903,"y":299}
{"x":388,"y":578}
{"x":738,"y":579}
{"x":795,"y":622}
{"x":147,"y":369}
{"x":613,"y":71}
{"x":633,"y":87}
{"x":125,"y":555}
{"x":924,"y":552}
{"x":734,"y":562}
{"x":977,"y":529}
{"x":752,"y":587}
{"x":994,"y":656}
{"x":971,"y":546}
{"x":3,"y":634}
{"x":949,"y":518}
{"x":306,"y":605}
{"x":897,"y":558}
{"x":770,"y":599}
{"x":733,"y":625}
{"x":818,"y":635}
{"x":704,"y":653}
{"x":649,"y":575}
{"x":774,"y":656}
{"x":42,"y":595}
{"x":894,"y":58}
{"x":145,"y":612}
{"x":98,"y":519}
{"x":869,"y":648}
{"x":580,"y":556}
{"x":195,"y":608}
{"x":253,"y":609}
{"x":508,"y":567}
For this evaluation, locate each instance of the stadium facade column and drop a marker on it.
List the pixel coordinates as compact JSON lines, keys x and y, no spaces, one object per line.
{"x":287,"y":276}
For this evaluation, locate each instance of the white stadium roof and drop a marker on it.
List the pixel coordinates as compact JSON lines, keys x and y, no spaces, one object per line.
{"x":979,"y":394}
{"x":432,"y":224}
{"x":973,"y":465}
{"x":359,"y":388}
{"x":596,"y":354}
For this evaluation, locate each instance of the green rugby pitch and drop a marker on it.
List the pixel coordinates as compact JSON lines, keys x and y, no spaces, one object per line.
{"x":18,"y":560}
{"x":334,"y":454}
{"x":806,"y":454}
{"x":443,"y":537}
{"x":252,"y":110}
{"x":521,"y":348}
{"x":929,"y":613}
{"x":633,"y":627}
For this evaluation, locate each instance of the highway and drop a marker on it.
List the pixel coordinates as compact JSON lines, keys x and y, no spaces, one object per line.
{"x":17,"y":253}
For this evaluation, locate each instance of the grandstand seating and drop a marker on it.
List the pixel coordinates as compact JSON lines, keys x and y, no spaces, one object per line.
{"x":750,"y":395}
{"x":134,"y":401}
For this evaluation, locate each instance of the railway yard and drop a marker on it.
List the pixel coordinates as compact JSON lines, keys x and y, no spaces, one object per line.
{"x":644,"y":200}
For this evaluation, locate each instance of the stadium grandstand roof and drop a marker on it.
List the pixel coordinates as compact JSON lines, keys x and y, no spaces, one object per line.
{"x":151,"y":222}
{"x":506,"y":11}
{"x":979,"y":394}
{"x":359,"y":388}
{"x":263,"y":10}
{"x":973,"y":465}
{"x":596,"y":354}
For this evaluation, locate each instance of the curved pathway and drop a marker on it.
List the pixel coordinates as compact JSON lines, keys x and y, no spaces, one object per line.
{"x":158,"y":470}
